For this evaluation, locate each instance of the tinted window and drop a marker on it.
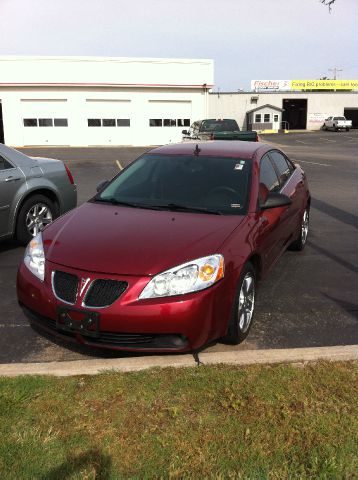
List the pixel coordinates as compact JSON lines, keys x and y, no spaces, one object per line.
{"x":268,"y":177}
{"x":4,"y":164}
{"x":155,"y":122}
{"x":45,"y":122}
{"x":169,"y":122}
{"x":215,"y":183}
{"x":218,"y":126}
{"x":284,"y":168}
{"x":60,"y":122}
{"x":109,"y":122}
{"x":183,"y":122}
{"x":123,"y":122}
{"x":94,"y":122}
{"x":30,"y":122}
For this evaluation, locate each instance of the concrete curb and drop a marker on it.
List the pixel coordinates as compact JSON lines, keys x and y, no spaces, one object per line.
{"x":247,"y":357}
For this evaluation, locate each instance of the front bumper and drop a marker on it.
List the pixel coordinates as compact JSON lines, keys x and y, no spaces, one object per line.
{"x":170,"y":324}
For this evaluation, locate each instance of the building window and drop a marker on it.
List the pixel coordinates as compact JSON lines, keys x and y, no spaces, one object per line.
{"x":257,"y":117}
{"x":123,"y":122}
{"x":267,"y":117}
{"x":155,"y":122}
{"x":275,"y":118}
{"x":60,"y":122}
{"x":94,"y":122}
{"x":45,"y":122}
{"x":108,"y":122}
{"x":30,"y":122}
{"x":183,"y":122}
{"x":169,"y":123}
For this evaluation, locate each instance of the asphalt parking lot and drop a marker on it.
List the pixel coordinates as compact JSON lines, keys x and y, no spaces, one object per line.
{"x":309,"y":299}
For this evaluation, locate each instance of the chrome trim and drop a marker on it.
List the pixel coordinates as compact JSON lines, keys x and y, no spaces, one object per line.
{"x":54,"y":292}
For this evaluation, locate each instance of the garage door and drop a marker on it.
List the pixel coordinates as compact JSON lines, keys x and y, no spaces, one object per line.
{"x":108,"y":122}
{"x":166,"y":119}
{"x":45,"y":121}
{"x":352,"y":114}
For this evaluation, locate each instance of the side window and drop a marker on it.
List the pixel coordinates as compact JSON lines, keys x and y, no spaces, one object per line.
{"x":268,"y":179}
{"x":4,"y":164}
{"x":283,"y":166}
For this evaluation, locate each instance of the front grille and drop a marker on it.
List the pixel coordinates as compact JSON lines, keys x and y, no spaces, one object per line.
{"x":103,"y":293}
{"x":65,"y":286}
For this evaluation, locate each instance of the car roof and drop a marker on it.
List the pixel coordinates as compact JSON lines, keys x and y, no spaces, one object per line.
{"x":222,"y":148}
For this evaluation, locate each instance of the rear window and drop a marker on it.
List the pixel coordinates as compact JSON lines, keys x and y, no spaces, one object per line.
{"x":215,"y":183}
{"x":219,"y":126}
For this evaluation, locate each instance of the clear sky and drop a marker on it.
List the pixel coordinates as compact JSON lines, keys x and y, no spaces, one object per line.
{"x":248,"y":39}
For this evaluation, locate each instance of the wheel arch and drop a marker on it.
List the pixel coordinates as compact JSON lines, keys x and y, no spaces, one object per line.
{"x":46,"y":192}
{"x":256,"y":262}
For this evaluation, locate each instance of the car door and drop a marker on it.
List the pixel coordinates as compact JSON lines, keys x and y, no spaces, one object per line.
{"x":271,"y":223}
{"x":292,"y":185}
{"x":11,"y":178}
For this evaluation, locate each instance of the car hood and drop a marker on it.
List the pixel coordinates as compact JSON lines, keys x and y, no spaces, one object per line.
{"x":132,"y":241}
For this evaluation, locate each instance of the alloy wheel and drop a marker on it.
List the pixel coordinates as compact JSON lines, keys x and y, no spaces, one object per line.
{"x":304,"y":227}
{"x":246,"y":302}
{"x":37,"y":218}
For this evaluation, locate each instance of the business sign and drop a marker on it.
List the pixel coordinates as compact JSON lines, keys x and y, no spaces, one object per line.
{"x":286,"y":85}
{"x":271,"y":85}
{"x":324,"y":84}
{"x":316,"y":117}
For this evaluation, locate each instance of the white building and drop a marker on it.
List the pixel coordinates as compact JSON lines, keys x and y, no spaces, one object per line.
{"x":85,"y":101}
{"x":300,"y":110}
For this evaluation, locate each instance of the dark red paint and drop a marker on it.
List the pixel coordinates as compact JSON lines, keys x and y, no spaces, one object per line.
{"x":108,"y":241}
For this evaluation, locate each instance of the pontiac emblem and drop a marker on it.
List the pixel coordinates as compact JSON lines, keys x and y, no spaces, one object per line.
{"x":83,"y":284}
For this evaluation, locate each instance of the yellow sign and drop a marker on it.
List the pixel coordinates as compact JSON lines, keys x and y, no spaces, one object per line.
{"x":324,"y":84}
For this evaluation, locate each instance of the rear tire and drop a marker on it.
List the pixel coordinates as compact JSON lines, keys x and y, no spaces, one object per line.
{"x":35,"y":213}
{"x":301,"y":241}
{"x":243,"y":308}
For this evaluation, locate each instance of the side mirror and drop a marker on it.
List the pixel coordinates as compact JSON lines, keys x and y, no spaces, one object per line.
{"x":185,"y":132}
{"x":102,"y":185}
{"x":275,"y":200}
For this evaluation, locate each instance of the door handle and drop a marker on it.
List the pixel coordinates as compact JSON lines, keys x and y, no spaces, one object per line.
{"x":11,"y":179}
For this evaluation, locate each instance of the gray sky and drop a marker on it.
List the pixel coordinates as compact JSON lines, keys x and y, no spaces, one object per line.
{"x":248,"y":39}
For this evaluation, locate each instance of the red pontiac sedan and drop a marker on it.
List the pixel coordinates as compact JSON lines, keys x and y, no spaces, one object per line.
{"x":167,"y":255}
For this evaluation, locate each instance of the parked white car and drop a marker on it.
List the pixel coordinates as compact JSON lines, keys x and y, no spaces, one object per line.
{"x":337,"y":123}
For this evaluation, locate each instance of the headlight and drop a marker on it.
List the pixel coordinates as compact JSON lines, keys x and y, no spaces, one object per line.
{"x":34,"y":257}
{"x":185,"y":278}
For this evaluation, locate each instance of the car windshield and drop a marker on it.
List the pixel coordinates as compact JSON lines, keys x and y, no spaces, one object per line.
{"x":200,"y":184}
{"x":218,"y":126}
{"x":339,"y":118}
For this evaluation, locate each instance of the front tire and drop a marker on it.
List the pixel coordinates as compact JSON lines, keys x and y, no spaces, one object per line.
{"x":301,"y":241}
{"x":243,"y":309}
{"x":36,"y":212}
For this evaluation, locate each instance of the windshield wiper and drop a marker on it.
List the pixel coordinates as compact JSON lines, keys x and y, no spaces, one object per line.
{"x":165,"y":206}
{"x":187,"y":208}
{"x":114,"y":201}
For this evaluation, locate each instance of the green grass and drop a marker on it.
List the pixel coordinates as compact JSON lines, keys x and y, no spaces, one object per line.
{"x":257,"y":422}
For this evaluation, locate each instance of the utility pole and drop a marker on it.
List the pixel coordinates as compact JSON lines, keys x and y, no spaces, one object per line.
{"x":335,"y":70}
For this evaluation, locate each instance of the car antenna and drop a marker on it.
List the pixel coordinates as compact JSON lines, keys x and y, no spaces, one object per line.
{"x":197,"y":150}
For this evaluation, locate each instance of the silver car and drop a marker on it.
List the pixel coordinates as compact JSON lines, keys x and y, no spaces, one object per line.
{"x":33,"y":192}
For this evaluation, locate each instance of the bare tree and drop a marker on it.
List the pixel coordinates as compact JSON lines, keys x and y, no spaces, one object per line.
{"x":329,"y":3}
